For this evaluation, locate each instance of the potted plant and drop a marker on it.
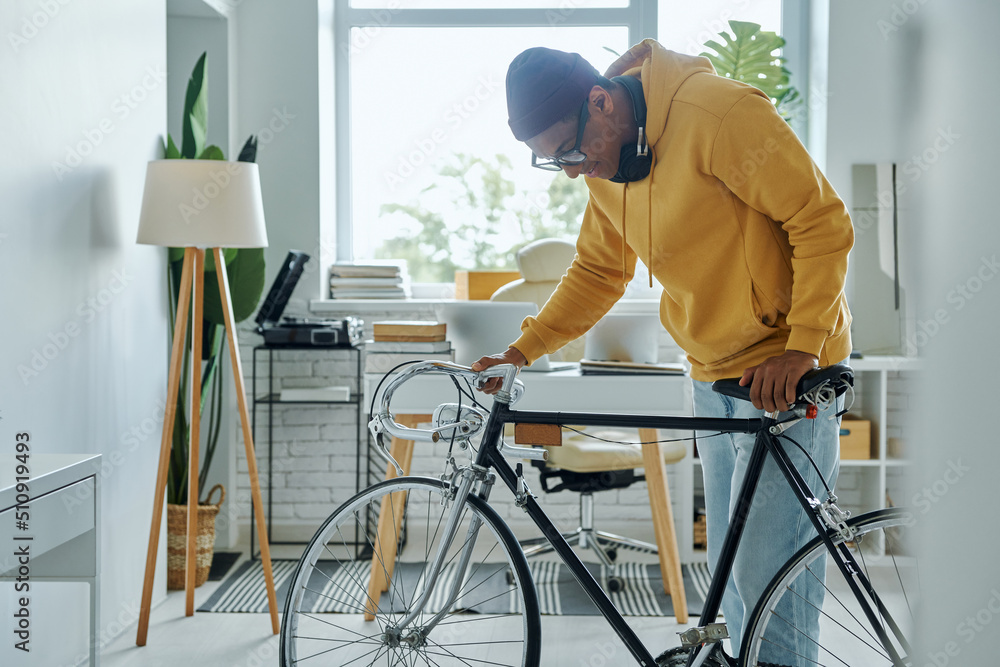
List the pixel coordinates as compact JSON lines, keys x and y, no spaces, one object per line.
{"x":747,"y":57}
{"x":245,"y":267}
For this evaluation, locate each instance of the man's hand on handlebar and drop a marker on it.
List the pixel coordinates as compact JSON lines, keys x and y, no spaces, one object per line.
{"x":511,"y":356}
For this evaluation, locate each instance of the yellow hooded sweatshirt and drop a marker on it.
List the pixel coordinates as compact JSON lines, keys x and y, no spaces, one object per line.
{"x":746,"y":236}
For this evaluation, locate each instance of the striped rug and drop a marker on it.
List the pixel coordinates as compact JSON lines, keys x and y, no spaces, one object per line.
{"x":558,"y":592}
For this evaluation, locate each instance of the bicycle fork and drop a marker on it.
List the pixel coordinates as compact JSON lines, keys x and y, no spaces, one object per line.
{"x":417,"y":636}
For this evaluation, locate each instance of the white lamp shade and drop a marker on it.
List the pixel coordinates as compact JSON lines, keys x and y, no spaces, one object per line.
{"x":202,"y":204}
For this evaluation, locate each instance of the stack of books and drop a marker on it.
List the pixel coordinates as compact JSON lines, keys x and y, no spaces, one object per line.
{"x":396,"y":342}
{"x":412,"y":331}
{"x":366,"y":281}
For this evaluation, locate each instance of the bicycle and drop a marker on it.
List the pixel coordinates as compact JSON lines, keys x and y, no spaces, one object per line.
{"x":469,"y":598}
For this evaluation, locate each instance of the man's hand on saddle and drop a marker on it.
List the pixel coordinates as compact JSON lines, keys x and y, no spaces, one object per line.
{"x":773,"y":383}
{"x":511,"y":356}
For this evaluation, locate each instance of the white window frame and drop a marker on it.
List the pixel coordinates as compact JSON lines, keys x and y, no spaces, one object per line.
{"x":639,"y":17}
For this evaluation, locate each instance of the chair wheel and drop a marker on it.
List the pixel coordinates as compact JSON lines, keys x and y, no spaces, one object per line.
{"x":611,"y":553}
{"x":615,"y":584}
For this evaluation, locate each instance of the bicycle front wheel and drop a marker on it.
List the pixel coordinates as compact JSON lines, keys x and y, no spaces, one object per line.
{"x":783,"y":627}
{"x":346,"y":611}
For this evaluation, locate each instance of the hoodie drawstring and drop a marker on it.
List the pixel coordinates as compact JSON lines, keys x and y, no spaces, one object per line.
{"x":624,"y":226}
{"x":649,"y":219}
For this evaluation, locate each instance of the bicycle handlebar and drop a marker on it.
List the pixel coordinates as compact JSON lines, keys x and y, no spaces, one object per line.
{"x":511,"y":390}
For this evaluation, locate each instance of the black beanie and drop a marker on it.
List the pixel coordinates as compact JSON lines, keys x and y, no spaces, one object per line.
{"x":543,"y":85}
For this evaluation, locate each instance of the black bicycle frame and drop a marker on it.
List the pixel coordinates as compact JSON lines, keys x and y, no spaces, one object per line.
{"x":490,"y":456}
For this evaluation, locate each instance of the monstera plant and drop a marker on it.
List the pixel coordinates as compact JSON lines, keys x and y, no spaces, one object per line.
{"x":245,"y":267}
{"x":747,"y":56}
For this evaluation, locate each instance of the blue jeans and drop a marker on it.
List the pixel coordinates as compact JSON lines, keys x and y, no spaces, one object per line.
{"x":777,"y":526}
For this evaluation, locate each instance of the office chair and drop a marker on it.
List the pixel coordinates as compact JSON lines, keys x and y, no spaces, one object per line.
{"x":582,"y":464}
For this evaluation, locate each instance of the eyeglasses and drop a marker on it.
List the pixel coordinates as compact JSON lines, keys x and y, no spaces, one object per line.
{"x":571,"y":158}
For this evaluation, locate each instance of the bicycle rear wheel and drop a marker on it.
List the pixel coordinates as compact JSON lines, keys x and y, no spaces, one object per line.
{"x":492,"y":622}
{"x":884,"y":551}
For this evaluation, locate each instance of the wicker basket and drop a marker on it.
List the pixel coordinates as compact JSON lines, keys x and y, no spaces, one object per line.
{"x":700,"y":540}
{"x":204,"y":542}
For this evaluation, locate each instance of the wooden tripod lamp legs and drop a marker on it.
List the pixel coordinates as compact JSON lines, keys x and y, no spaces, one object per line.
{"x":169,"y":414}
{"x":192,"y":274}
{"x":194,"y":453}
{"x":241,"y":398}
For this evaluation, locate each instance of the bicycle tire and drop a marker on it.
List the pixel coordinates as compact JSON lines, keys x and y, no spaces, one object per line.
{"x":306,"y":637}
{"x":846,"y":636}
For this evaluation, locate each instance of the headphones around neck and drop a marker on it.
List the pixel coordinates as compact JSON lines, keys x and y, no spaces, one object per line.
{"x":635,"y":161}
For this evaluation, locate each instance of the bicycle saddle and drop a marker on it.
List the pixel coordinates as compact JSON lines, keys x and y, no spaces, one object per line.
{"x":839,"y":376}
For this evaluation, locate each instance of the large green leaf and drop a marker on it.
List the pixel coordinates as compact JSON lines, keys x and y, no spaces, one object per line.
{"x":212,"y":152}
{"x":246,"y":284}
{"x":170,"y":151}
{"x":228,"y":253}
{"x":195,"y":111}
{"x":748,"y":56}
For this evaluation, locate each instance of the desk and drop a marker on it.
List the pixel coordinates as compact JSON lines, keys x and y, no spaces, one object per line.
{"x":569,"y":390}
{"x":64,"y":526}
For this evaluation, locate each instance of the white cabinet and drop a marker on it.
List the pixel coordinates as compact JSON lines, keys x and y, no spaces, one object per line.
{"x":56,"y":520}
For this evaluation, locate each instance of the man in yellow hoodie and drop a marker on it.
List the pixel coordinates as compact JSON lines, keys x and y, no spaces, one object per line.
{"x":709,"y":186}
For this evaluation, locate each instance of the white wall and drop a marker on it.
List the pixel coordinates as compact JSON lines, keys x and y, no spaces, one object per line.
{"x":950,"y":51}
{"x":278,"y":100}
{"x":187,"y":38}
{"x":86,"y":78}
{"x":863,"y":89}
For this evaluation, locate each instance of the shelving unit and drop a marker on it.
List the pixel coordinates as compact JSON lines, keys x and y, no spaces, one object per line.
{"x":272,"y":398}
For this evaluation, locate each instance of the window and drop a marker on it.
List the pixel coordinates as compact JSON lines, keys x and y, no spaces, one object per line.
{"x":431,"y":173}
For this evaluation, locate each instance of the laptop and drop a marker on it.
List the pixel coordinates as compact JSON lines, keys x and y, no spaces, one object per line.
{"x":624,"y":337}
{"x":479,"y":328}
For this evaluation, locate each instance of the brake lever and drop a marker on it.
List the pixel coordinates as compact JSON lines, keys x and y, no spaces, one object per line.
{"x":377,"y":430}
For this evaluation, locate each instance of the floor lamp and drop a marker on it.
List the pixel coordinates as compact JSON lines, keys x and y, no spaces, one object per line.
{"x":199,"y":205}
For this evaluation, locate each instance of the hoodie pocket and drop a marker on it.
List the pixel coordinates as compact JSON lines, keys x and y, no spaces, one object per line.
{"x":765,"y":315}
